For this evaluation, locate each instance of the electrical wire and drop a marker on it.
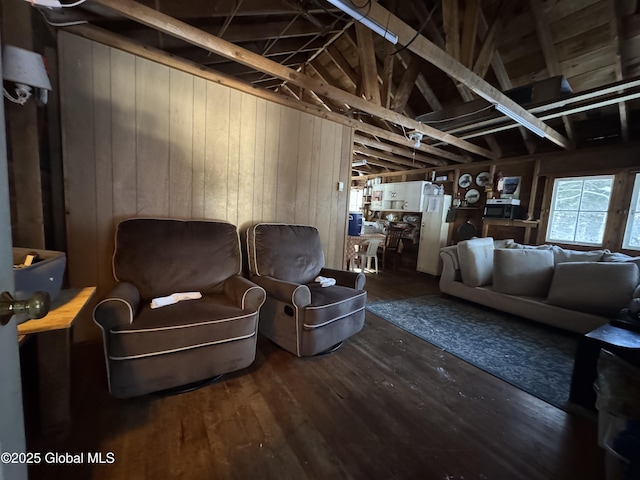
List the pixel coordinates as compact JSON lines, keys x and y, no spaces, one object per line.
{"x":75,"y":4}
{"x":424,"y":24}
{"x":63,"y":24}
{"x":488,"y":107}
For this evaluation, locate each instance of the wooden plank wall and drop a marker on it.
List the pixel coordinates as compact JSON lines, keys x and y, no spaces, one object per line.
{"x":144,"y":139}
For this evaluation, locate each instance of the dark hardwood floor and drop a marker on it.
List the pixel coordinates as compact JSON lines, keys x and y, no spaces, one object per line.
{"x":387,"y":405}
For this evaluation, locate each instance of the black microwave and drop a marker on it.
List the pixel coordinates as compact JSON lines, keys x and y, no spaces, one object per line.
{"x":501,"y":210}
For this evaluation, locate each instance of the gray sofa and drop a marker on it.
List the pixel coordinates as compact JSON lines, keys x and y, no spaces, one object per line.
{"x":569,"y":289}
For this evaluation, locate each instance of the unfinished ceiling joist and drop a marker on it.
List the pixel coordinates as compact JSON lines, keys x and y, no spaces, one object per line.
{"x":421,"y":46}
{"x":171,"y":26}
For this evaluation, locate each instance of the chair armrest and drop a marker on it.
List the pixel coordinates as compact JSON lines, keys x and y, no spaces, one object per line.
{"x":346,"y":278}
{"x":450,"y":272}
{"x":118,"y":308}
{"x":246,"y":294}
{"x":289,"y":292}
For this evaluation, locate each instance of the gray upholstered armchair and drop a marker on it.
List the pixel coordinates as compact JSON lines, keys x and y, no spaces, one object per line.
{"x":153,"y":349}
{"x":300,"y":314}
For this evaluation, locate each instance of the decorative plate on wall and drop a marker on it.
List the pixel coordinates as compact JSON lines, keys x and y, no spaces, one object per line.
{"x":483,"y":179}
{"x":472,"y":196}
{"x":465,"y":180}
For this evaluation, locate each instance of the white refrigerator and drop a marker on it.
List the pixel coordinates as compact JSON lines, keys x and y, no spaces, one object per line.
{"x":434,"y":231}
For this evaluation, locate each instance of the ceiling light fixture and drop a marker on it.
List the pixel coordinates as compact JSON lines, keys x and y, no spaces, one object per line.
{"x":416,"y":138}
{"x":359,"y":163}
{"x":525,"y":123}
{"x":363,"y":19}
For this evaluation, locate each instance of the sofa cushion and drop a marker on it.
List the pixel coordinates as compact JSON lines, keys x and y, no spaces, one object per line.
{"x":522,"y":271}
{"x":620,"y":257}
{"x":594,"y":287}
{"x":562,"y":255}
{"x":476,"y":261}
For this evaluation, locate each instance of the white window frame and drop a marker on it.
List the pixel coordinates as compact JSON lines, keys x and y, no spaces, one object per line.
{"x":632,"y":212}
{"x":556,"y":184}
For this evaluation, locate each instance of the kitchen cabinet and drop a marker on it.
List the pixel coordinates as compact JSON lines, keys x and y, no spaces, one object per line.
{"x":398,"y":197}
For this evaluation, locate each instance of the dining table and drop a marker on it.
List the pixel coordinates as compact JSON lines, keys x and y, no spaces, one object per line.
{"x":355,"y":242}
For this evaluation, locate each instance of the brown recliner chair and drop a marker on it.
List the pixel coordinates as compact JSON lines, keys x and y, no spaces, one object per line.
{"x":150,"y":350}
{"x":299,"y":314}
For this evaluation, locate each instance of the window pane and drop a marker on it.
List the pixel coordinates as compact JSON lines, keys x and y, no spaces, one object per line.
{"x":579,"y":207}
{"x":590,"y":228}
{"x":568,"y":195}
{"x":634,"y":234}
{"x":595,"y":197}
{"x":563,"y":226}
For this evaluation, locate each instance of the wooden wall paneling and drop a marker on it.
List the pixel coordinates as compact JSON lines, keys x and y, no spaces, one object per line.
{"x":259,"y":160}
{"x":217,"y":152}
{"x":342,"y":173}
{"x":303,"y":174}
{"x":181,"y":104}
{"x":288,"y":165}
{"x":246,"y":160}
{"x":199,"y":147}
{"x":79,"y":169}
{"x":143,"y":140}
{"x":271,"y":156}
{"x":236,"y":137}
{"x":342,"y":205}
{"x":152,"y":138}
{"x":123,"y":134}
{"x":101,"y":58}
{"x":314,"y":175}
{"x":323,"y":189}
{"x":27,"y":218}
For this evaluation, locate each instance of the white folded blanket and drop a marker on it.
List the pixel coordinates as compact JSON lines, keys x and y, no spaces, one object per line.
{"x":174,"y":298}
{"x":325,"y":281}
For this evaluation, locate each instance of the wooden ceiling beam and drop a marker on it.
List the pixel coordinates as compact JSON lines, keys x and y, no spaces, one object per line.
{"x":545,"y":38}
{"x":402,"y":140}
{"x":421,"y":82}
{"x":396,"y":161}
{"x":451,"y":27}
{"x":615,"y":27}
{"x":469,"y":32}
{"x":430,"y":52}
{"x":405,"y":87}
{"x":174,"y":27}
{"x":369,"y":142}
{"x":342,"y":64}
{"x":368,"y":67}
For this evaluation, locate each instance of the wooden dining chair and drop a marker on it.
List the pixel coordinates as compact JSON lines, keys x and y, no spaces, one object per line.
{"x":392,"y":245}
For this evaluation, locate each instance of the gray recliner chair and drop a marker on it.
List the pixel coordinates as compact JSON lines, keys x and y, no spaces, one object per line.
{"x":155,"y":349}
{"x":299,"y":314}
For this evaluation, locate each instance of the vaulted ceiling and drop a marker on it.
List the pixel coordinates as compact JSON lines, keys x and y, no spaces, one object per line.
{"x":569,"y":67}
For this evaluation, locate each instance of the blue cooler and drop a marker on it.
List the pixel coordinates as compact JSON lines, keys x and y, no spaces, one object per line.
{"x":355,"y":224}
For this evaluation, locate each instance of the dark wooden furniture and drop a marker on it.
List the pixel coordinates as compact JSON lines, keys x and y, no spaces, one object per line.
{"x":622,"y":342}
{"x":53,"y":335}
{"x":392,"y":245}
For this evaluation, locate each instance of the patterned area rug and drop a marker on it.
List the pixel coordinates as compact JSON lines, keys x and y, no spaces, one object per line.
{"x":531,"y":356}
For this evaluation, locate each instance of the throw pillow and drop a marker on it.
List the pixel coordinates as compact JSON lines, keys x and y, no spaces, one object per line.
{"x":505,"y":243}
{"x":562,"y":255}
{"x":593,"y":287}
{"x":522,"y":271}
{"x":520,"y":246}
{"x":620,"y":257}
{"x":476,"y":261}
